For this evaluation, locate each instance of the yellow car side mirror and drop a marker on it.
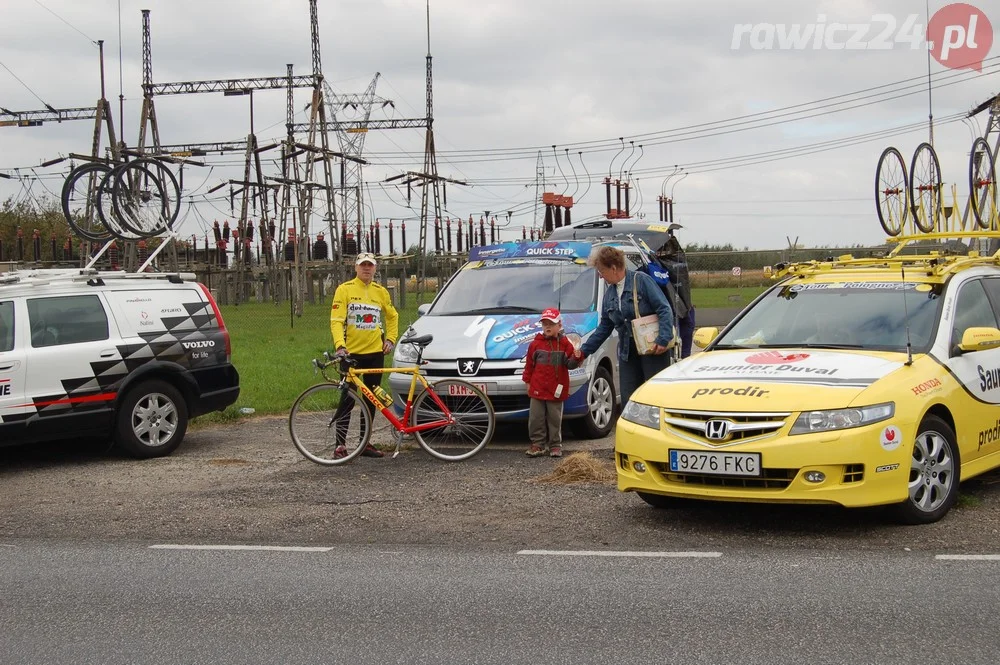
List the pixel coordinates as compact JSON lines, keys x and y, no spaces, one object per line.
{"x":704,"y":336}
{"x":979,"y":339}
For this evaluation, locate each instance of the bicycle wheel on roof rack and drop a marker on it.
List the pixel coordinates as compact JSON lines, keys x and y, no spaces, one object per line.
{"x":105,"y":208}
{"x":146,"y":197}
{"x":982,"y":183}
{"x":891,"y":191}
{"x":79,"y":201}
{"x":925,"y":188}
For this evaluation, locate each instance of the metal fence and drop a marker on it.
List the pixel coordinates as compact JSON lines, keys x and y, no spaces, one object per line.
{"x":259,"y":281}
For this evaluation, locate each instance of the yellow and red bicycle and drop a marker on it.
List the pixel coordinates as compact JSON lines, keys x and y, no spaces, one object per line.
{"x":331,"y":422}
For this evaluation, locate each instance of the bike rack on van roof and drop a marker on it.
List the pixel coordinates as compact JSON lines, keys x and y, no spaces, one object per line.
{"x":43,"y":276}
{"x":934,"y":263}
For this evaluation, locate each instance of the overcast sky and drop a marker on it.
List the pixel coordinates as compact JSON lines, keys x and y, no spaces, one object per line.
{"x":515,"y":77}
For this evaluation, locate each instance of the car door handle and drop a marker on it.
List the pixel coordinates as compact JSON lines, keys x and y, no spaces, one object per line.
{"x":9,"y":366}
{"x":108,"y":353}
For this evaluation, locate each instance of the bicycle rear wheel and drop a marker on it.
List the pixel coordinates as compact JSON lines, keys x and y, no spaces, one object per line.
{"x":982,"y":183}
{"x":925,"y":188}
{"x":146,"y":197}
{"x":317,"y":434}
{"x":473,"y":415}
{"x":79,"y":201}
{"x":890,"y":191}
{"x":105,"y":207}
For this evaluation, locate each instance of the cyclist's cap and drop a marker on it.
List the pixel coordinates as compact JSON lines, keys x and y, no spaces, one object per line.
{"x":551,"y":314}
{"x":365,"y":257}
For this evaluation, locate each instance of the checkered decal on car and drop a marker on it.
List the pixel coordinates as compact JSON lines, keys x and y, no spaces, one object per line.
{"x":198,"y":326}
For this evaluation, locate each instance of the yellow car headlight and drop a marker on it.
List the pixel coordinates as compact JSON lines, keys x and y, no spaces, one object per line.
{"x":834,"y":419}
{"x":642,"y":414}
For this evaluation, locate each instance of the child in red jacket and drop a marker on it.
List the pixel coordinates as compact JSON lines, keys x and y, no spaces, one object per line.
{"x":546,"y":371}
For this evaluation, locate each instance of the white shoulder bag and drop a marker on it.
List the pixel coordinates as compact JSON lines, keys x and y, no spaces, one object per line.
{"x":645,"y":329}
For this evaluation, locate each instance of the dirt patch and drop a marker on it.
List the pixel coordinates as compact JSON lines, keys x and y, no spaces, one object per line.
{"x":580,"y":467}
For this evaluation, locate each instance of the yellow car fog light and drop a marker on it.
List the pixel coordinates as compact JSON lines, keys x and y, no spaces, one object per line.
{"x":639,"y":467}
{"x":815,"y":476}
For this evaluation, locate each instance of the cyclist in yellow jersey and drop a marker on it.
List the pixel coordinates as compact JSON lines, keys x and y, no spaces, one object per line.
{"x":356,"y":322}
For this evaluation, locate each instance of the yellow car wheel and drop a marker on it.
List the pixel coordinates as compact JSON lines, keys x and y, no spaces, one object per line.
{"x":933,"y":484}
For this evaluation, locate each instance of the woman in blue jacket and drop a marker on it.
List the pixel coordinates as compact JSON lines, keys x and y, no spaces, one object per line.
{"x":617,"y":312}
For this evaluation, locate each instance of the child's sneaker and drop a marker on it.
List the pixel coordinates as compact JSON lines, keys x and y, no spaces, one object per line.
{"x":535,"y":451}
{"x":555,"y":451}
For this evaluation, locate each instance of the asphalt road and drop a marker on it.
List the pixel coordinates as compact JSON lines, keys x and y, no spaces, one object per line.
{"x":370,"y":604}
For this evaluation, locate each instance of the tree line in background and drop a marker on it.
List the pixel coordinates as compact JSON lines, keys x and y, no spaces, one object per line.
{"x":43,"y":214}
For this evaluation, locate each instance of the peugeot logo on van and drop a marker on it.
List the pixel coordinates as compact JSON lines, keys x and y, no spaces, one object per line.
{"x":717,"y":430}
{"x":469,"y":366}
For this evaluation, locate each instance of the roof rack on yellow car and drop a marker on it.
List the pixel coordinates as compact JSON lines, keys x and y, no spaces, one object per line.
{"x":932,"y":263}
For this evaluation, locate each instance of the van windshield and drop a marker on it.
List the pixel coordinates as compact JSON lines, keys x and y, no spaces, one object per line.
{"x":523,"y":286}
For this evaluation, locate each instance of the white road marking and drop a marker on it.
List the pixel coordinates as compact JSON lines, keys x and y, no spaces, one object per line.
{"x":967,"y":557}
{"x":250,"y":548}
{"x":670,"y":555}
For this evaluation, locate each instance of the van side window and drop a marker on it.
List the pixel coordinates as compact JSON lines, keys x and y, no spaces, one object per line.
{"x":6,"y":325}
{"x":66,"y":320}
{"x":972,"y":310}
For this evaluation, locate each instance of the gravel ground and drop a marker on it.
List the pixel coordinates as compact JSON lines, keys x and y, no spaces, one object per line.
{"x":246,"y":483}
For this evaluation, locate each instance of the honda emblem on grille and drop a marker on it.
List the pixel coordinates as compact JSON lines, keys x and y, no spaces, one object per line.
{"x":469,"y":366}
{"x":717,"y":430}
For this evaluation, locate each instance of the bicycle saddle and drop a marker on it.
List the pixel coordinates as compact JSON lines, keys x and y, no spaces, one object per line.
{"x":422,"y":340}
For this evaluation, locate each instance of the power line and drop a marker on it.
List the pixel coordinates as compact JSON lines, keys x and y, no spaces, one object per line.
{"x":25,"y":86}
{"x":907,"y":87}
{"x":751,"y":158}
{"x":66,"y":22}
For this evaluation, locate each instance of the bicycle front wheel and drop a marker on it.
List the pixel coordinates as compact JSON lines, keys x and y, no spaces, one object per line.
{"x":890,"y":191}
{"x":472,"y":411}
{"x":79,"y":201}
{"x":327,"y":417}
{"x":925,"y":188}
{"x":146,"y":197}
{"x":982,"y":183}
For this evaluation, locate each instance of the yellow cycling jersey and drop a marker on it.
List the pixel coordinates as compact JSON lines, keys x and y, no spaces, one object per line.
{"x":356,"y":317}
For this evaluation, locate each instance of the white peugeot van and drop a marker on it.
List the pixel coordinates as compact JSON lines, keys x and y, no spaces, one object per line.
{"x":487,"y":314}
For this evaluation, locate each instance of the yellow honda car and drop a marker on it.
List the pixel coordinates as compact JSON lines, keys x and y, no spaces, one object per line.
{"x":857,"y":382}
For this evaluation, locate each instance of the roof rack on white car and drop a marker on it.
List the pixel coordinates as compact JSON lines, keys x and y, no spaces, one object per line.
{"x":42,"y":276}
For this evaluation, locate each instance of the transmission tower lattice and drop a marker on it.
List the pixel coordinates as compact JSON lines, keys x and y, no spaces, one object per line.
{"x":352,"y":142}
{"x":539,"y":186}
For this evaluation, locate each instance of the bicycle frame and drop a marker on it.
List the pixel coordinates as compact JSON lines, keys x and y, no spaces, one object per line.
{"x":354,"y":376}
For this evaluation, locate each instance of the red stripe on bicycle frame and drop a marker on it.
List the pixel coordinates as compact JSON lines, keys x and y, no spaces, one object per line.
{"x":448,"y":420}
{"x":409,"y":429}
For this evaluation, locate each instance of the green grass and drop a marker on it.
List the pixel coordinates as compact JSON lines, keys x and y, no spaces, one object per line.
{"x":968,"y":501}
{"x":725,"y":297}
{"x":273,"y":352}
